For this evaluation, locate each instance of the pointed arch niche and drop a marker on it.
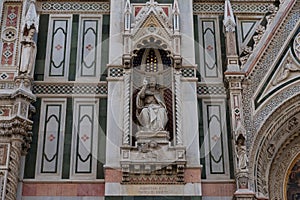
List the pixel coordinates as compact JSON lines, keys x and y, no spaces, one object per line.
{"x":153,"y":63}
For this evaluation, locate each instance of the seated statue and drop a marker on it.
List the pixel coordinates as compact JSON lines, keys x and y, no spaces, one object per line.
{"x":151,"y":109}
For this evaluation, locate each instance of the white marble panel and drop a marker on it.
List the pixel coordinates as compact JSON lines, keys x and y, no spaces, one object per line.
{"x":187,"y":31}
{"x":215,"y":139}
{"x":84,"y":139}
{"x":116,"y":30}
{"x":114,"y":123}
{"x":89,"y":48}
{"x":58,"y":47}
{"x":51,"y":138}
{"x":190,"y":123}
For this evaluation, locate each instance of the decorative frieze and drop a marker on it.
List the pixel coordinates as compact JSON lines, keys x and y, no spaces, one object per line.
{"x":68,"y":89}
{"x":238,"y":8}
{"x":73,"y":7}
{"x":211,"y":90}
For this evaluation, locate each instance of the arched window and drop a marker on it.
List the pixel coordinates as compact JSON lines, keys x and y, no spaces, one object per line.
{"x":151,"y":60}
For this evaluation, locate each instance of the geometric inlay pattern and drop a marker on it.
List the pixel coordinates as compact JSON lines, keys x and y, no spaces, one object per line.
{"x":188,"y":73}
{"x":99,"y":7}
{"x":116,"y":72}
{"x":237,"y":8}
{"x":70,"y":88}
{"x":211,"y":90}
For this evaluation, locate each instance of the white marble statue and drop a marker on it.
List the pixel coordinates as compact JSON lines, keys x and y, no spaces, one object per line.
{"x":151,"y":109}
{"x":241,"y":153}
{"x":28,"y":52}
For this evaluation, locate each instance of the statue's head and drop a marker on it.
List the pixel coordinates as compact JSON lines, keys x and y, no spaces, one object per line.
{"x":152,"y":81}
{"x":29,"y":32}
{"x":240,"y":140}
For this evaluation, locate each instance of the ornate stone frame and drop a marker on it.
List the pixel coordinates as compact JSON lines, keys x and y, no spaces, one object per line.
{"x":269,"y":145}
{"x":281,"y":165}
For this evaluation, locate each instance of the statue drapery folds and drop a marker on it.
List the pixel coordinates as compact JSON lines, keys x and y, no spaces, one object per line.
{"x":151,"y":109}
{"x":28,"y":52}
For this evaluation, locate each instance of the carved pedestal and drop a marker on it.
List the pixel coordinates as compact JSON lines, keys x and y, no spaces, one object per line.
{"x":153,"y":160}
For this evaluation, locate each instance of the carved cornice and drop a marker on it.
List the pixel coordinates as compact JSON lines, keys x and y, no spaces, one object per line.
{"x":17,"y":127}
{"x":14,"y":126}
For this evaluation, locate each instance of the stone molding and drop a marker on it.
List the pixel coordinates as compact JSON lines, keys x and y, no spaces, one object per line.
{"x":280,"y":166}
{"x":265,"y":149}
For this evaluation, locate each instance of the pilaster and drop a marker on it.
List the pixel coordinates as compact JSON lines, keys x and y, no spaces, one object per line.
{"x":235,"y":78}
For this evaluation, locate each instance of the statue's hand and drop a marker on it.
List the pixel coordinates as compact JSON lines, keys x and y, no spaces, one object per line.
{"x":145,"y":82}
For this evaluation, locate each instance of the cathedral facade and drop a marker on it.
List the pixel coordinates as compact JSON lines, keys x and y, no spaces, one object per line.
{"x":145,"y":99}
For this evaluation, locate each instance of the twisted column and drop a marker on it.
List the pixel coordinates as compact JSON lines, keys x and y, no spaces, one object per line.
{"x":179,"y":136}
{"x":126,"y":111}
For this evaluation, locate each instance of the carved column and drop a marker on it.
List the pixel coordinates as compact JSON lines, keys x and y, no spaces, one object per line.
{"x":126,"y":123}
{"x":239,"y":136}
{"x":178,"y":102}
{"x":17,"y":142}
{"x":235,"y":76}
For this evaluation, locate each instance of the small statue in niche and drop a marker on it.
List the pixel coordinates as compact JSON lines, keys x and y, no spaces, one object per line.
{"x":241,"y":153}
{"x":151,"y":109}
{"x":28,"y":51}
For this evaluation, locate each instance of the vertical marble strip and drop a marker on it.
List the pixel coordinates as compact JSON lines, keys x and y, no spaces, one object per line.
{"x":9,"y":34}
{"x":126,"y":129}
{"x":179,"y":136}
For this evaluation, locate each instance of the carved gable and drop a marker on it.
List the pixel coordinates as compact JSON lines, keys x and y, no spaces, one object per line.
{"x":152,"y":20}
{"x":284,"y":73}
{"x":152,"y":27}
